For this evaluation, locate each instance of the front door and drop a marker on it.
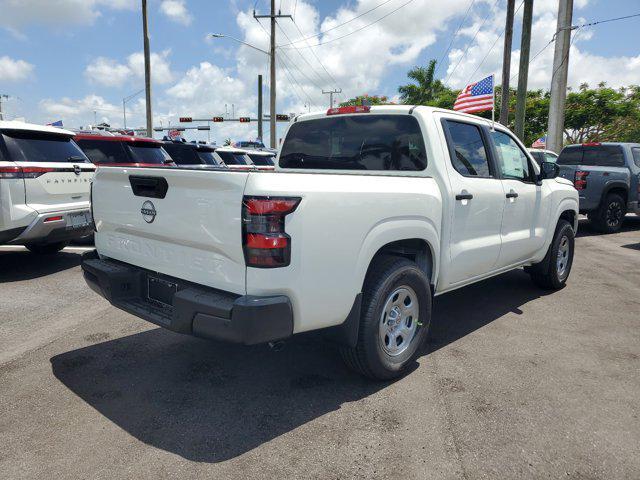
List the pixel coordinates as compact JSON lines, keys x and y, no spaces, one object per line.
{"x":478,"y":202}
{"x":525,"y":216}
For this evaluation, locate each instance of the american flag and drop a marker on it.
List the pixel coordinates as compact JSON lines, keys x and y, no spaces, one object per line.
{"x":476,"y":97}
{"x":540,"y":143}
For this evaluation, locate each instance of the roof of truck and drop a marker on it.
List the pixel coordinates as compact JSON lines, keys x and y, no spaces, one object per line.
{"x":401,"y":109}
{"x":32,"y":127}
{"x":116,"y":138}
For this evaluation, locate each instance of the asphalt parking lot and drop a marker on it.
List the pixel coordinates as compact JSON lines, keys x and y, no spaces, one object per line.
{"x":514,"y":383}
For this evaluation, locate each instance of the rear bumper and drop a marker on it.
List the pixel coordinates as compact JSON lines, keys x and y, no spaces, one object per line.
{"x":42,"y":231}
{"x":195,"y":309}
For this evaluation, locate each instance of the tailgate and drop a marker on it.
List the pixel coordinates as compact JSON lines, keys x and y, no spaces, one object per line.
{"x":183,"y":223}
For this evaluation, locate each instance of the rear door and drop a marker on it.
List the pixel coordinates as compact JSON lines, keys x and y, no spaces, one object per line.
{"x":183,"y":223}
{"x":478,"y":203}
{"x":57,"y":175}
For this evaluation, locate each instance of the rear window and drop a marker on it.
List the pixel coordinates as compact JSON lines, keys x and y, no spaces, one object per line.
{"x":150,"y":153}
{"x":182,"y":154}
{"x":104,"y":151}
{"x":593,"y":155}
{"x":29,"y":146}
{"x":234,"y":158}
{"x":207,"y":157}
{"x":261,"y":159}
{"x":358,"y":142}
{"x":570,"y":156}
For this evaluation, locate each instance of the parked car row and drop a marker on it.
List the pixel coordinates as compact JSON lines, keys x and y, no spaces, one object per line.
{"x":46,"y":173}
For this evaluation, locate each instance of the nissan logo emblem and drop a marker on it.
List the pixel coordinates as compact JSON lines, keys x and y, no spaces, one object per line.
{"x":148,"y":212}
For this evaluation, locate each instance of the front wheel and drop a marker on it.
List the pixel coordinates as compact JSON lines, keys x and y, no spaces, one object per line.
{"x":396,"y":311}
{"x":46,"y":248}
{"x":553,"y":271}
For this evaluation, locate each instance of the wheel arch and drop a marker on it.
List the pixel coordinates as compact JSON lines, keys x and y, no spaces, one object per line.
{"x":619,"y":188}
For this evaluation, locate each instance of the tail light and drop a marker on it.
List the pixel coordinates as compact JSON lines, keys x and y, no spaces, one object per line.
{"x":266,"y":245}
{"x":580,"y":179}
{"x":23,"y":172}
{"x":93,"y":220}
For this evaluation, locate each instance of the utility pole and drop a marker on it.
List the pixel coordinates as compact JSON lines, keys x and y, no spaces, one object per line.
{"x":523,"y":72}
{"x":6,"y":97}
{"x":330,"y":93}
{"x":260,"y":108}
{"x":147,"y":68}
{"x":559,"y":76}
{"x":272,"y":77}
{"x":506,"y":63}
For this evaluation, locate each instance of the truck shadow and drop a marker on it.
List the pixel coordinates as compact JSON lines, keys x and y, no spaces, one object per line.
{"x":211,"y":402}
{"x":17,"y":266}
{"x":631,"y":223}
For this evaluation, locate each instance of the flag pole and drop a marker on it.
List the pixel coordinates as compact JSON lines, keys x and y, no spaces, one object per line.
{"x":493,"y":108}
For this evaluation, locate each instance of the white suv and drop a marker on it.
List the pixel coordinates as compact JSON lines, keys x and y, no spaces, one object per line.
{"x":44,"y":187}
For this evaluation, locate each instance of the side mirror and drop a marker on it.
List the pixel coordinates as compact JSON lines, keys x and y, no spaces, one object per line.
{"x":548,"y":170}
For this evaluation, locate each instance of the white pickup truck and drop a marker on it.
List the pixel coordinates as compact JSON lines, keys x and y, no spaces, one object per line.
{"x":369,"y":214}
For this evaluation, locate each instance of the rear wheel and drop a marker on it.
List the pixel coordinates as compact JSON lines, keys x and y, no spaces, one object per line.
{"x":553,"y":271}
{"x":46,"y":248}
{"x":396,"y":311}
{"x":609,"y":217}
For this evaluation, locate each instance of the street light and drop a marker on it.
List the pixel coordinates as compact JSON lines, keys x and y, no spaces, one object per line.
{"x":272,"y":86}
{"x":124,"y":101}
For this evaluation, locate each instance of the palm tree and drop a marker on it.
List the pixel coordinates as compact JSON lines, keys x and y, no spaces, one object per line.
{"x":427,"y":88}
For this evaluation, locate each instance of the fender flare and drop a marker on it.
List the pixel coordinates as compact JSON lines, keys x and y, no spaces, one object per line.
{"x":610,"y":186}
{"x":396,"y":229}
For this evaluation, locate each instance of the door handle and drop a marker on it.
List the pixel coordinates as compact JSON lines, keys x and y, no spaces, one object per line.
{"x":464,"y":196}
{"x":512,"y":194}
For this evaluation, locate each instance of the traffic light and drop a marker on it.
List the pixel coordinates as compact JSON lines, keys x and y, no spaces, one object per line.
{"x":218,"y":119}
{"x":186,"y":119}
{"x":280,"y":117}
{"x":244,"y":119}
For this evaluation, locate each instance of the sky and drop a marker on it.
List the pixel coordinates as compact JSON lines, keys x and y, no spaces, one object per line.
{"x":75,"y":60}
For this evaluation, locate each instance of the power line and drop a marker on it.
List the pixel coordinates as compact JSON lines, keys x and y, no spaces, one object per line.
{"x":493,"y":46}
{"x":337,"y":26}
{"x":318,"y":58}
{"x":302,"y":57}
{"x":472,"y":40}
{"x":358,"y":29}
{"x":454,"y":36}
{"x":591,"y":24}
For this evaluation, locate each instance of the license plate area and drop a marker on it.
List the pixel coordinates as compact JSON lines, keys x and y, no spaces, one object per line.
{"x":161,"y":291}
{"x":78,"y":220}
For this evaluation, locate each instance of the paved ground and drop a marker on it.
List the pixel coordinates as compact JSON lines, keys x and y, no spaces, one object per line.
{"x":513,"y":384}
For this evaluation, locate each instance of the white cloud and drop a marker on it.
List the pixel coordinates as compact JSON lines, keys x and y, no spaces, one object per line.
{"x":176,"y":10}
{"x":110,"y":73}
{"x":583,"y":66}
{"x":81,"y":112}
{"x":17,"y":14}
{"x":12,"y":70}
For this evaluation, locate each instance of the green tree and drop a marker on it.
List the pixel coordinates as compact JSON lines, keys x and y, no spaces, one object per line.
{"x":426,"y":88}
{"x":366,"y":99}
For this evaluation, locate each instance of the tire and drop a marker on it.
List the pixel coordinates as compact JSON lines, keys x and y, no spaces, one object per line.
{"x":609,"y":217}
{"x":381,"y":352}
{"x":553,"y":271}
{"x":46,"y":248}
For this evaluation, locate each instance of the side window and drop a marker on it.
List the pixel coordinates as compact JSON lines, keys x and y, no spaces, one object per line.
{"x":512,"y":161}
{"x":636,"y":155}
{"x":103,"y":152}
{"x":469,"y":151}
{"x":550,"y":157}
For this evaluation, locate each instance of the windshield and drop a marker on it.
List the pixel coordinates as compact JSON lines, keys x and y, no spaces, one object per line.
{"x":355,"y":142}
{"x":207,"y":158}
{"x":261,"y":159}
{"x":234,"y":158}
{"x":152,"y":153}
{"x":250,"y":144}
{"x":29,"y":146}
